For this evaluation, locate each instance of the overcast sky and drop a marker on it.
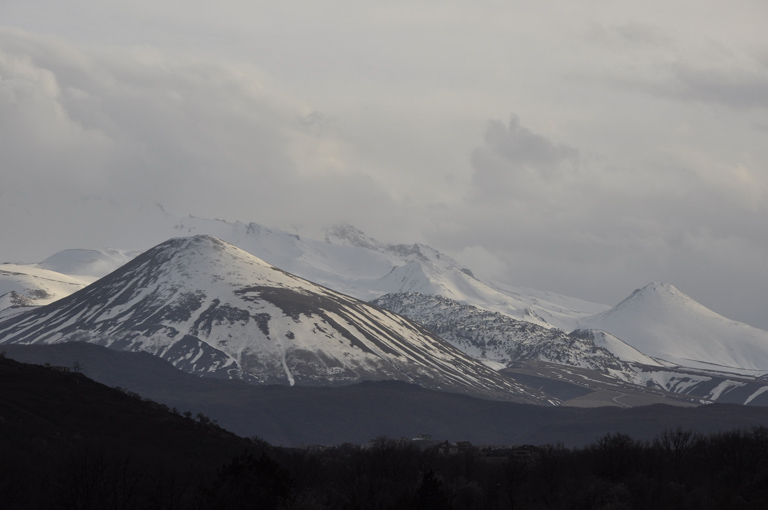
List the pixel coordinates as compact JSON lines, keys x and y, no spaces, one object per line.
{"x":582,"y":147}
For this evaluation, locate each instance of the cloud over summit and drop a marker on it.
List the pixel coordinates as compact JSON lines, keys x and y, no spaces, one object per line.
{"x":198,"y":136}
{"x":582,"y":149}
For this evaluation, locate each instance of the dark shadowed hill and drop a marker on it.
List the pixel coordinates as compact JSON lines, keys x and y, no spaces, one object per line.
{"x":357,"y":413}
{"x":59,"y":410}
{"x":71,"y":442}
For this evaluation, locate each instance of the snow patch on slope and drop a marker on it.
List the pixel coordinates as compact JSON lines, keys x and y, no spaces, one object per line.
{"x":619,"y":348}
{"x":756,"y":394}
{"x":28,"y":285}
{"x":723,"y":387}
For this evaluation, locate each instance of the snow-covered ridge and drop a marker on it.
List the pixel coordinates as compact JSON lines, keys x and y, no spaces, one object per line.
{"x":501,"y":339}
{"x":350,"y":262}
{"x":213,"y":309}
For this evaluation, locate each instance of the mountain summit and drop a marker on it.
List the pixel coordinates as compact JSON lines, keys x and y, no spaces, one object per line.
{"x":661,"y":321}
{"x":214,"y":310}
{"x":347,"y":260}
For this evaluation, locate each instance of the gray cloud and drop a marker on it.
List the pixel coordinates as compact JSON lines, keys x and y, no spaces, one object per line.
{"x":513,"y":159}
{"x":632,"y":33}
{"x":135,"y":126}
{"x":649,"y":62}
{"x":739,"y":88}
{"x":663,"y":61}
{"x":268,"y":113}
{"x":676,"y":218}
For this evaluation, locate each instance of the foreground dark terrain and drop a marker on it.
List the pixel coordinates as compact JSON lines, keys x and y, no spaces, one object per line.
{"x":69,"y":442}
{"x":298,"y":415}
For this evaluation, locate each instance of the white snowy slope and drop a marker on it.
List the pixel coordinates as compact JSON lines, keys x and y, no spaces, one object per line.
{"x":61,"y":274}
{"x":618,"y":348}
{"x":23,"y":285}
{"x":213,"y":309}
{"x":87,"y":264}
{"x":662,"y":322}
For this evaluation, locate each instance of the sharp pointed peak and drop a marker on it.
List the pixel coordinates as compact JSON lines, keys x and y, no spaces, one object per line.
{"x":660,"y":286}
{"x":659,"y":289}
{"x":195,"y":240}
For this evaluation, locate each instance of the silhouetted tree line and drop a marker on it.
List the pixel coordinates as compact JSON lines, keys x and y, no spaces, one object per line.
{"x":679,"y":469}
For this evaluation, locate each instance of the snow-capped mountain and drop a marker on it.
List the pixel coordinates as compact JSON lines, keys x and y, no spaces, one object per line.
{"x":586,"y":357}
{"x":215,"y":310}
{"x":671,"y":331}
{"x":662,"y":322}
{"x":355,"y":264}
{"x":352,"y":263}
